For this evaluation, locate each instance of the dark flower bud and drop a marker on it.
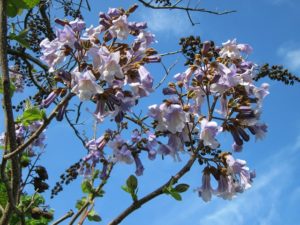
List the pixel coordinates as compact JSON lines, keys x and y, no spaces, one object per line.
{"x":133,"y":8}
{"x":169,"y":91}
{"x":236,"y":136}
{"x":39,"y":185}
{"x":243,"y":134}
{"x":61,"y":22}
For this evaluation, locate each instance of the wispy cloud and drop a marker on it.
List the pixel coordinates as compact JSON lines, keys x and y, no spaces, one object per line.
{"x":291,"y":56}
{"x":170,"y":23}
{"x":272,"y":192}
{"x":281,"y":2}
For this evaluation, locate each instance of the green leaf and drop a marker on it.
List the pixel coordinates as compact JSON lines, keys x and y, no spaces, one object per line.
{"x":181,"y":188}
{"x":132,"y":183}
{"x":86,"y":186}
{"x":80,"y":203}
{"x":93,"y":216}
{"x":31,"y":3}
{"x":176,"y":195}
{"x":30,"y":115}
{"x":15,"y":7}
{"x":125,"y":188}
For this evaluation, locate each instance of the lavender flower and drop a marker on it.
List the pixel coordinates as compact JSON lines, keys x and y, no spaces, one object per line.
{"x":86,"y":85}
{"x":209,"y":130}
{"x":205,"y":191}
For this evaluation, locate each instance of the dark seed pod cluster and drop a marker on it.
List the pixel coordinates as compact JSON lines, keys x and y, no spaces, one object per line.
{"x":66,"y":178}
{"x":39,"y":181}
{"x":276,"y":72}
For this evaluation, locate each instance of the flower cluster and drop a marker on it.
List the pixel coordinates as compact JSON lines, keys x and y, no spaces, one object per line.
{"x":234,"y":178}
{"x":107,"y":70}
{"x":216,"y":94}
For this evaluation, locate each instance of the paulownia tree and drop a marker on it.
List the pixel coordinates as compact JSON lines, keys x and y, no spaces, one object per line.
{"x":105,"y":66}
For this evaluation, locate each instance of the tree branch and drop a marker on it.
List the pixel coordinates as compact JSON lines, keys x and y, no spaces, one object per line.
{"x":29,"y":57}
{"x":9,"y":120}
{"x":36,"y":134}
{"x":187,"y":8}
{"x":68,"y":215}
{"x":137,"y":204}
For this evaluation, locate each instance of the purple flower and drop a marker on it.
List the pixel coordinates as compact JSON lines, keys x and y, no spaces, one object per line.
{"x":209,"y":130}
{"x":168,"y":150}
{"x":120,"y":29}
{"x":230,"y":49}
{"x":205,"y":191}
{"x":238,"y":169}
{"x":224,"y":189}
{"x":139,"y":166}
{"x":174,"y":118}
{"x":145,"y":39}
{"x":111,"y":67}
{"x":120,"y":150}
{"x":259,"y":129}
{"x":77,"y":25}
{"x":86,"y":85}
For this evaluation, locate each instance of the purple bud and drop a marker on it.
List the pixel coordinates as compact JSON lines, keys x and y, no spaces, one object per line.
{"x":103,"y":174}
{"x":51,"y":97}
{"x":61,"y":112}
{"x":139,"y":166}
{"x":169,"y":91}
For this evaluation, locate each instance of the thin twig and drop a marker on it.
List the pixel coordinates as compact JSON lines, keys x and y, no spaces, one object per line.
{"x":167,"y":72}
{"x":203,"y":10}
{"x":63,"y":218}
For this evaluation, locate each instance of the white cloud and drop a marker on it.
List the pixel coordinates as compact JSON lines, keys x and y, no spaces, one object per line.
{"x":291,"y":56}
{"x":169,"y":23}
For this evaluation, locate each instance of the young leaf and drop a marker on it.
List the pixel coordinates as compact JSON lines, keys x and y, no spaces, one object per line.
{"x":93,"y":216}
{"x":86,"y":186}
{"x":132,"y":183}
{"x":181,"y":188}
{"x":176,"y":195}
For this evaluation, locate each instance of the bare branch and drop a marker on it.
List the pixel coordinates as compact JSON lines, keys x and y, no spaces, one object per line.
{"x":63,"y":218}
{"x":167,"y":72}
{"x":185,"y":8}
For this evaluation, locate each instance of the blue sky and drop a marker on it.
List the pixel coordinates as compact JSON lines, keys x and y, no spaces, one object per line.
{"x":272,"y":28}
